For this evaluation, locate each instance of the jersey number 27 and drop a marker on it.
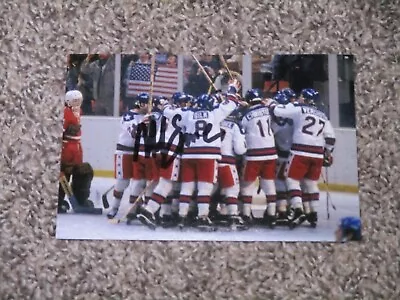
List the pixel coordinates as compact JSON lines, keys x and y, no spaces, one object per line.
{"x":311,"y":121}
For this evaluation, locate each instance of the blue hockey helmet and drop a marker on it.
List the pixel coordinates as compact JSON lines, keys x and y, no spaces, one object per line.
{"x":281,"y":98}
{"x":310,"y":96}
{"x":179,"y":98}
{"x":289,"y":93}
{"x":206,"y":102}
{"x":350,"y":226}
{"x":142,"y":98}
{"x":253,"y":95}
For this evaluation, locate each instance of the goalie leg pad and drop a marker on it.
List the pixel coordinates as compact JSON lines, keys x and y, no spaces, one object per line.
{"x":82,"y":176}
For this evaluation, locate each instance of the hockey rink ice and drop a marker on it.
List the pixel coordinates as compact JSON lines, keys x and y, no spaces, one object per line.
{"x":98,"y":227}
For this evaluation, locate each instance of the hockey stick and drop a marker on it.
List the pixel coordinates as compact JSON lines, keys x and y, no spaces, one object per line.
{"x":104,"y":197}
{"x":204,"y":72}
{"x":152,"y":70}
{"x":328,"y":194}
{"x":134,"y":204}
{"x":77,"y":208}
{"x":222,"y":59}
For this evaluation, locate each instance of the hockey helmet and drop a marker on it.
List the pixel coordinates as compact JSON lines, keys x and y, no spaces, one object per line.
{"x":350,"y":226}
{"x":179,"y":98}
{"x":73,"y":98}
{"x":253,"y":95}
{"x":310,"y":96}
{"x":206,"y":102}
{"x":289,"y":93}
{"x":281,"y":98}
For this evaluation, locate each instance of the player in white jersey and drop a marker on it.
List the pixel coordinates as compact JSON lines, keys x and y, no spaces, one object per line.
{"x":123,"y":157}
{"x":233,"y":144}
{"x":313,"y":143}
{"x":169,"y":149}
{"x":201,"y":127}
{"x":260,"y":159}
{"x":283,"y":132}
{"x":144,"y":174}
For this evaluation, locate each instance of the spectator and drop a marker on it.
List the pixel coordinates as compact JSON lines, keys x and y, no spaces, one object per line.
{"x":197,"y":82}
{"x":72,"y":73}
{"x":102,"y":73}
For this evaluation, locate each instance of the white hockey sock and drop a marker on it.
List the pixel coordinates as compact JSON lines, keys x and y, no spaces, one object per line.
{"x":247,"y":209}
{"x":271,"y":209}
{"x":203,"y":209}
{"x":233,"y":209}
{"x":183,"y":209}
{"x":314,"y":205}
{"x":116,"y":203}
{"x":152,"y":206}
{"x":223,"y":209}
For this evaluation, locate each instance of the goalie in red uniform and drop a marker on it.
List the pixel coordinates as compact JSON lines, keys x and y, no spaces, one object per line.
{"x":72,"y":156}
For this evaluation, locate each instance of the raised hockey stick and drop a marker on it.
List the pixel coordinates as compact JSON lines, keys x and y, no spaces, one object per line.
{"x":222,"y":59}
{"x":104,"y":197}
{"x":152,"y":70}
{"x":204,"y":72}
{"x":77,"y":208}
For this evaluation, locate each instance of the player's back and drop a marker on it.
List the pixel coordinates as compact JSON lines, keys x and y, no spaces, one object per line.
{"x":283,"y":132}
{"x":260,"y":141}
{"x":202,"y":133}
{"x":310,"y":128}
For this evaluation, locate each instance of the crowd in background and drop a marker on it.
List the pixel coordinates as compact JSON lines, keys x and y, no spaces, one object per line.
{"x":93,"y":75}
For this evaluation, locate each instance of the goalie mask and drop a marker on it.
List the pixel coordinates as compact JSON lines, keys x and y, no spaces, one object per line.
{"x":73,"y":99}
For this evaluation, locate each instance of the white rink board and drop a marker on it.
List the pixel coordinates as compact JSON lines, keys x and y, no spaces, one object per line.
{"x":87,"y":227}
{"x":100,"y":137}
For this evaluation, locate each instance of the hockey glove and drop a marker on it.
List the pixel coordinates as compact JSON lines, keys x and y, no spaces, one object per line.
{"x":328,"y":158}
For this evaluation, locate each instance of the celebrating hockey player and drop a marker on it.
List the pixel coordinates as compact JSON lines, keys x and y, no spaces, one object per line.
{"x":233,"y":144}
{"x":313,"y":142}
{"x":201,"y":127}
{"x":260,"y":159}
{"x":123,"y":158}
{"x":167,"y":160}
{"x":283,"y":132}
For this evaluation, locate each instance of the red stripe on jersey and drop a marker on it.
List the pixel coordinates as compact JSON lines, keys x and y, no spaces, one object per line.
{"x":226,"y":159}
{"x":308,"y":148}
{"x":261,"y":152}
{"x":202,"y":150}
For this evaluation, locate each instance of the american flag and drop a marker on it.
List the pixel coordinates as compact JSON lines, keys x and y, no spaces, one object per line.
{"x":165,"y":80}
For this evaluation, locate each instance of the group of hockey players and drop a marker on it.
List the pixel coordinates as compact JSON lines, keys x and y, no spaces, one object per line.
{"x":199,"y":162}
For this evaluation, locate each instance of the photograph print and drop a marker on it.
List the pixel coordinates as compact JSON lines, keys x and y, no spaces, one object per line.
{"x":186,"y":147}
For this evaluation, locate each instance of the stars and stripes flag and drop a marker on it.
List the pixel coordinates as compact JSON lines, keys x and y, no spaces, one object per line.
{"x":165,"y":80}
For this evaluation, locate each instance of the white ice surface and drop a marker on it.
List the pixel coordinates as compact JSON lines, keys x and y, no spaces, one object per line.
{"x":98,"y":227}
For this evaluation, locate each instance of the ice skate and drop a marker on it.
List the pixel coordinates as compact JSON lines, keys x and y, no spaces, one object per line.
{"x":147,"y":218}
{"x":112,"y":213}
{"x":298,"y":218}
{"x":312,"y":218}
{"x":282,"y":218}
{"x":205,"y":224}
{"x":236,"y":223}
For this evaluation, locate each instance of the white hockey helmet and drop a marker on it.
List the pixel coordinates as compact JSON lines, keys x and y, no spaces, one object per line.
{"x":73,"y":98}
